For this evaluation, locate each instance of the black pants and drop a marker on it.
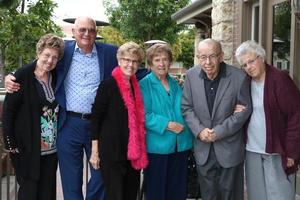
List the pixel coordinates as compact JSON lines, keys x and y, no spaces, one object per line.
{"x":219,"y":183}
{"x":45,"y":187}
{"x":121,"y":181}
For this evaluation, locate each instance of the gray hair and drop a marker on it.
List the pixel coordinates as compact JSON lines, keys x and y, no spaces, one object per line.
{"x":249,"y":46}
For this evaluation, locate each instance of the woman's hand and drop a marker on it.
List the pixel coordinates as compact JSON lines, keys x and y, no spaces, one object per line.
{"x":290,"y":162}
{"x":94,"y":159}
{"x":175,"y":127}
{"x":239,"y":108}
{"x":13,"y":151}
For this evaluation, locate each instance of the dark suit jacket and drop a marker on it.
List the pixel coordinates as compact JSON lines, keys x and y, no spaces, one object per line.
{"x":21,"y":123}
{"x":233,"y":89}
{"x":110,"y":123}
{"x":106,"y":59}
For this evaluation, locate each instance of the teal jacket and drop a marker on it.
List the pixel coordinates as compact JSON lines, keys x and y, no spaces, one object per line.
{"x":160,"y":109}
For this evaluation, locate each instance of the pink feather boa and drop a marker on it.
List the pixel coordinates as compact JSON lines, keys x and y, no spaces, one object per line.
{"x":136,"y":152}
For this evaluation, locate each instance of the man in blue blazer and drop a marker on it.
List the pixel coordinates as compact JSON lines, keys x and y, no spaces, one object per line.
{"x":84,"y":65}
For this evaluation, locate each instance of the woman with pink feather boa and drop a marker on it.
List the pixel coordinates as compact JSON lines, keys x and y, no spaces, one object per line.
{"x":118,"y":131}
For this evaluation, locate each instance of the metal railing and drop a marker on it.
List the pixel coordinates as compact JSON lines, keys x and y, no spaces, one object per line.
{"x":8,"y":187}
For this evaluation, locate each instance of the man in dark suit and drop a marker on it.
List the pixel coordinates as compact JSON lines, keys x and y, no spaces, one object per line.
{"x":212,"y":95}
{"x":84,"y":65}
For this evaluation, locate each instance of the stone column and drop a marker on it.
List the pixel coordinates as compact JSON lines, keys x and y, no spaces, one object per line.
{"x":222,"y":26}
{"x":200,"y":34}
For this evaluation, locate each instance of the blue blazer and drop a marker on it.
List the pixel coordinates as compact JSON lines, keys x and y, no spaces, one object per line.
{"x":160,"y":109}
{"x":107,"y":62}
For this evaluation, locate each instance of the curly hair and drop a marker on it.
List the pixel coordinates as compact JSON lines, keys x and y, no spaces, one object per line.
{"x":50,"y":41}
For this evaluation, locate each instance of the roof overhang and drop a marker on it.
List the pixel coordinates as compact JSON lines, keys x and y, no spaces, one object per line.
{"x":191,"y":13}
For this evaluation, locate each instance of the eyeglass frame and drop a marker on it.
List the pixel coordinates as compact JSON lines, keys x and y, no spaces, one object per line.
{"x":127,"y":61}
{"x":213,"y":56}
{"x":249,"y":62}
{"x":88,"y":30}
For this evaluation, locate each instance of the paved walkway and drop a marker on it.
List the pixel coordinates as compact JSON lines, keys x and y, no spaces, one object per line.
{"x":59,"y":187}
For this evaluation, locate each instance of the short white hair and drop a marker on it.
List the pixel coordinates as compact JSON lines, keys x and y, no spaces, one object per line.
{"x":250,"y":46}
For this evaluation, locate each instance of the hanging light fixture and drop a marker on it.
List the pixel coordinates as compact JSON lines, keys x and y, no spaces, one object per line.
{"x":296,"y":7}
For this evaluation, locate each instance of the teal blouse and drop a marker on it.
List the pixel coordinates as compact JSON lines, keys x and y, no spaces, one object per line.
{"x":161,"y":107}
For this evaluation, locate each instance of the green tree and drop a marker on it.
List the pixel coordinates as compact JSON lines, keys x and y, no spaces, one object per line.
{"x":111,"y":35}
{"x":9,"y":3}
{"x":19,"y":32}
{"x":282,"y":28}
{"x":143,"y":20}
{"x":185,"y":41}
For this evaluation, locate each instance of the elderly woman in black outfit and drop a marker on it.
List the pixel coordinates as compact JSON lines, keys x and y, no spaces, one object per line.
{"x":30,"y":123}
{"x":118,"y":132}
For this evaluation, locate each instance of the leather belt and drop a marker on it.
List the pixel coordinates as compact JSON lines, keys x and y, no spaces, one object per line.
{"x":83,"y":116}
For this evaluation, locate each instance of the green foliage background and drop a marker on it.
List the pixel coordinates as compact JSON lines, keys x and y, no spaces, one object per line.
{"x":19,"y":32}
{"x":143,"y":20}
{"x":137,"y":20}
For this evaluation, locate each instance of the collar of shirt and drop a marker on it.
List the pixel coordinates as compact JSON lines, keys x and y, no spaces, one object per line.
{"x":79,"y":50}
{"x":222,"y":72}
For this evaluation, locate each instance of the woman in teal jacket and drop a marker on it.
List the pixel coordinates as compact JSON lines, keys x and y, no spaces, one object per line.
{"x":168,"y":138}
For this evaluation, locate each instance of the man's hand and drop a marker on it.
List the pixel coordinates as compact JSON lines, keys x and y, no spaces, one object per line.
{"x":10,"y":85}
{"x":175,"y":127}
{"x":179,"y":80}
{"x":207,"y":135}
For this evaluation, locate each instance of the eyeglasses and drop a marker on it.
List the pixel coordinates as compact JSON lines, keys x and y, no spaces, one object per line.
{"x":128,"y":61}
{"x":203,"y":58}
{"x":250,"y":62}
{"x":88,"y":30}
{"x":47,"y":56}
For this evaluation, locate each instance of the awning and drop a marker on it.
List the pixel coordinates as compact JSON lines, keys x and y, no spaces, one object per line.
{"x":198,"y":11}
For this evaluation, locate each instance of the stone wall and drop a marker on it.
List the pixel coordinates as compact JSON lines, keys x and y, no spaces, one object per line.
{"x":222,"y":15}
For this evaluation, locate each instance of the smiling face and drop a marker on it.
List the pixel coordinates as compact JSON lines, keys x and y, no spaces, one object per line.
{"x":209,"y":57}
{"x":160,"y":64}
{"x":47,"y":59}
{"x":85,"y":33}
{"x":253,"y":65}
{"x":128,"y":64}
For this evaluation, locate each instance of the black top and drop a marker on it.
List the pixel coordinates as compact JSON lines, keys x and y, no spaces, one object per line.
{"x":211,"y":86}
{"x":110,"y":123}
{"x":22,"y":111}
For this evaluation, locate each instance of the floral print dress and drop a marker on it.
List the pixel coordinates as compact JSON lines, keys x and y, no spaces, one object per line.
{"x":48,"y":118}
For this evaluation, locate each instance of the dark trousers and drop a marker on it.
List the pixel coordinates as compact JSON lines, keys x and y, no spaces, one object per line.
{"x":121,"y":181}
{"x":219,"y":183}
{"x":166,"y":176}
{"x":73,"y":139}
{"x":45,"y":187}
